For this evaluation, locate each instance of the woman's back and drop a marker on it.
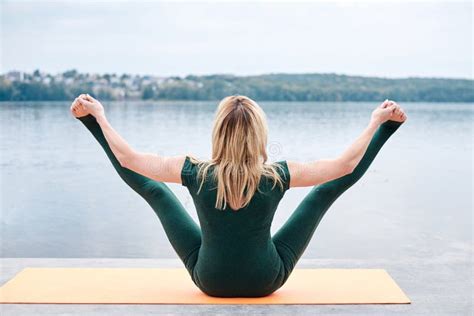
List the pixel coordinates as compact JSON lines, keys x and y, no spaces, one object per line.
{"x":237,"y":254}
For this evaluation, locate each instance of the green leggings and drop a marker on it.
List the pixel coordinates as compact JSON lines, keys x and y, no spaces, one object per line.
{"x":290,"y":240}
{"x":296,"y":233}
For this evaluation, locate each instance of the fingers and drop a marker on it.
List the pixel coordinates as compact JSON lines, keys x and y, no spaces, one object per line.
{"x":402,"y":114}
{"x":76,"y":100}
{"x":393,"y":106}
{"x":85,"y":102}
{"x":76,"y":109}
{"x":81,"y":96}
{"x":84,"y":96}
{"x":87,"y":97}
{"x":388,"y":103}
{"x":74,"y":103}
{"x":394,"y":110}
{"x":384,"y":104}
{"x":398,"y":114}
{"x":80,"y":104}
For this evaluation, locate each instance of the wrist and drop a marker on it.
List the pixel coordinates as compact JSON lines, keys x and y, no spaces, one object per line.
{"x":374,"y":124}
{"x":101,"y":119}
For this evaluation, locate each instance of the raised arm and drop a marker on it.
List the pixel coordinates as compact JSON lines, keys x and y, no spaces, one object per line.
{"x":323,"y":170}
{"x":153,"y":166}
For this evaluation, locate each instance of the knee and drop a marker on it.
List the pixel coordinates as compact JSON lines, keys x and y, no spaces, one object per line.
{"x":154,"y":190}
{"x":325,"y":190}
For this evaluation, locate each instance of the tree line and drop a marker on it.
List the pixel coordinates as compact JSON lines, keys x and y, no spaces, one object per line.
{"x":270,"y":87}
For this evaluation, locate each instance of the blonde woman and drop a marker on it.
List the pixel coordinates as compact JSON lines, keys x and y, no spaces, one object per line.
{"x":237,"y":192}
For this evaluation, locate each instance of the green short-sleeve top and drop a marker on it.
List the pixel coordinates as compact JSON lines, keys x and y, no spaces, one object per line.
{"x":267,"y":187}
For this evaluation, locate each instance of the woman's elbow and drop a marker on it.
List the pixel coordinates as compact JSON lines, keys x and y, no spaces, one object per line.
{"x":348,"y":168}
{"x":128,"y":158}
{"x":344,"y":166}
{"x":124,"y":161}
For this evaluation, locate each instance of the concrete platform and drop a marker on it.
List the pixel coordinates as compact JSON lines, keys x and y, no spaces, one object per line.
{"x":442,"y":286}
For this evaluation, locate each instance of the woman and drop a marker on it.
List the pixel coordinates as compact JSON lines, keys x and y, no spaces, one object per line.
{"x":237,"y":192}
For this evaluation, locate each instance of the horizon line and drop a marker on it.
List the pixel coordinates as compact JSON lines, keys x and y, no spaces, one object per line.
{"x":243,"y":75}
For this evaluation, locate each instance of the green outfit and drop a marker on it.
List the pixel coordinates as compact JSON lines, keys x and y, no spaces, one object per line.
{"x":233,"y":253}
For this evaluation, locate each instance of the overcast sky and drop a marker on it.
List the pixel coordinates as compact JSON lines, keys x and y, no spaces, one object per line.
{"x":389,"y":39}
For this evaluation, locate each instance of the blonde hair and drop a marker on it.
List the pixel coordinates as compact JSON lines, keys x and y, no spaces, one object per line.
{"x":239,"y":156}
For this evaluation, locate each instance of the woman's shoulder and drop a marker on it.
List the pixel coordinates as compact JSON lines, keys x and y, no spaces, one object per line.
{"x":189,"y":164}
{"x":190,"y":170}
{"x":281,"y":167}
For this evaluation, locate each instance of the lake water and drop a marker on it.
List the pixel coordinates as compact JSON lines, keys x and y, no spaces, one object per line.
{"x":60,"y":197}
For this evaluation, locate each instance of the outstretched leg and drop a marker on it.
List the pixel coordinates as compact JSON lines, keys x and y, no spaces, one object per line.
{"x":181,"y":230}
{"x":294,"y":236}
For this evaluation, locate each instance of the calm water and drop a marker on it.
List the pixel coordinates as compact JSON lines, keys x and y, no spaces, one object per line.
{"x":61,"y":198}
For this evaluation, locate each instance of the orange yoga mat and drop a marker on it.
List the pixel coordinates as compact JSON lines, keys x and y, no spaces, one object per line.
{"x":174,"y":286}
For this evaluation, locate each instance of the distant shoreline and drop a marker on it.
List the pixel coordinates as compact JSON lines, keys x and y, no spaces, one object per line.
{"x":312,"y":87}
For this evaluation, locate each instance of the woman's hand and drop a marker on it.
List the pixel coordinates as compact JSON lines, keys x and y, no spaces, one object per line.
{"x":77,"y":110}
{"x":91,"y":106}
{"x":388,"y":110}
